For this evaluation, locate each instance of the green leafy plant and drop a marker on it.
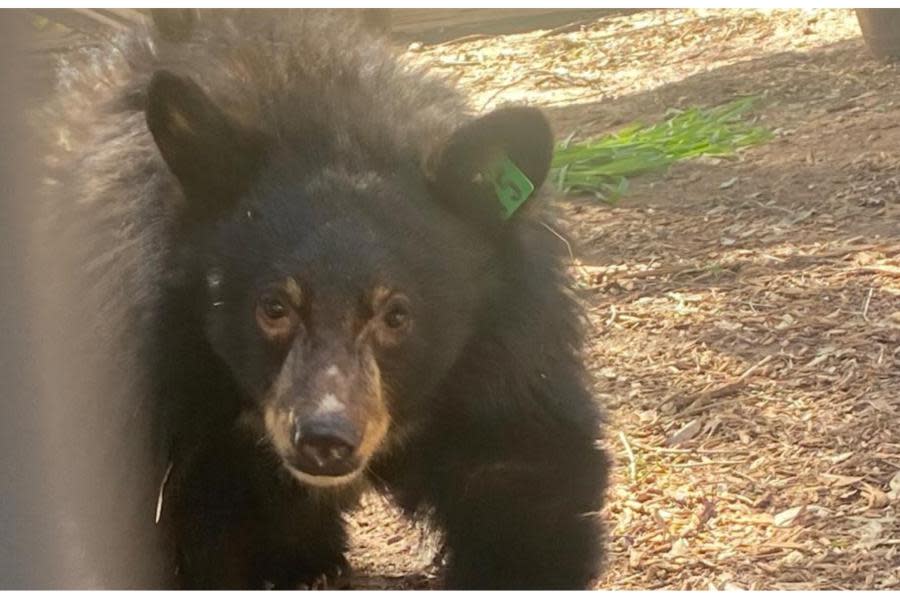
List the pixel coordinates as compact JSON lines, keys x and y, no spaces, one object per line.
{"x":602,"y":166}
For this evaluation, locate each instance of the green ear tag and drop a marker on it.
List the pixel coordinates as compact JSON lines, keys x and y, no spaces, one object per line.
{"x":512,"y":186}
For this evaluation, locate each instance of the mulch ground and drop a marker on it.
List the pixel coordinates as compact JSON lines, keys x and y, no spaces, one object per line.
{"x":744,"y":314}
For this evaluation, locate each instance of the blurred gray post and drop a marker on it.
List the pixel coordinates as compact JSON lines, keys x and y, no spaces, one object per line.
{"x":78,"y":479}
{"x":24,"y":538}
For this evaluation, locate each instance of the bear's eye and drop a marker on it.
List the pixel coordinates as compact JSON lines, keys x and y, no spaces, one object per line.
{"x":273,"y":308}
{"x":276,"y":317}
{"x":397,"y":316}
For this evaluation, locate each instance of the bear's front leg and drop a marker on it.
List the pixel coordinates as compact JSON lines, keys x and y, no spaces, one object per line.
{"x":521,"y":519}
{"x":242,"y":522}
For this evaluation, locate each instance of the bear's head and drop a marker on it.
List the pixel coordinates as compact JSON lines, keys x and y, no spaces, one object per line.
{"x":340,"y":284}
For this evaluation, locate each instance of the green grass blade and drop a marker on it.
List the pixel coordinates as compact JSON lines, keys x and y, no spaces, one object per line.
{"x":602,"y":166}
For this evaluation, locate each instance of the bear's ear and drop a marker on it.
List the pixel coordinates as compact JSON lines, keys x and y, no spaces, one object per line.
{"x":488,"y":167}
{"x":213,"y":157}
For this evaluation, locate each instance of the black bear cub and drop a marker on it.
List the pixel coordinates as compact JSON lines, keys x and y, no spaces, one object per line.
{"x":347,"y":303}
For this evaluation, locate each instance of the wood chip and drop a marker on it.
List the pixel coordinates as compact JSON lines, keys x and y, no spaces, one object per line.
{"x":685,"y":434}
{"x":786,"y":518}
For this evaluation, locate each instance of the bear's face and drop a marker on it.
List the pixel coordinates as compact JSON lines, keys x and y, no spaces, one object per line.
{"x":339,"y":297}
{"x":336,"y":314}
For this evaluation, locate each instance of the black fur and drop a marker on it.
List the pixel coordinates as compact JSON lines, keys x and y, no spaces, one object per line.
{"x":257,"y":148}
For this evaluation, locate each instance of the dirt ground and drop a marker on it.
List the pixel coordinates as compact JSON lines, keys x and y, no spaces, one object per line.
{"x":744,"y":314}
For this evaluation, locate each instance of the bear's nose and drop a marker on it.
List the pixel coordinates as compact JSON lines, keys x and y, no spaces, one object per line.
{"x":325,"y":447}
